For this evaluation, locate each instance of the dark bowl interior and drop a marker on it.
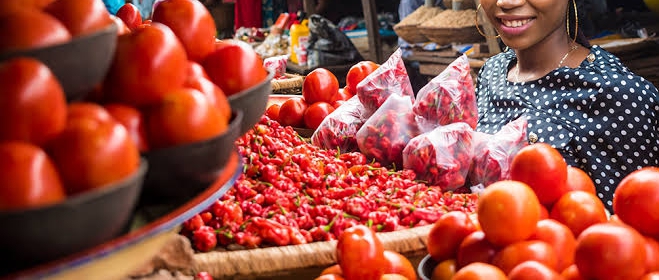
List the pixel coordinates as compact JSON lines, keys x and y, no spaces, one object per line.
{"x":425,"y":268}
{"x":34,"y":236}
{"x":79,"y":64}
{"x":252,"y":102}
{"x":178,"y":173}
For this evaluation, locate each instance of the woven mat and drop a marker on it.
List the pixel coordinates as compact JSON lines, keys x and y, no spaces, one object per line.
{"x":291,"y":85}
{"x":287,"y":259}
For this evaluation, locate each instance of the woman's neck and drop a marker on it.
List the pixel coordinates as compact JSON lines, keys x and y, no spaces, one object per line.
{"x":544,"y":56}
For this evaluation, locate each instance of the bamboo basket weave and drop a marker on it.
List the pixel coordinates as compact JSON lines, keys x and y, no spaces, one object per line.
{"x":286,"y":260}
{"x":292,"y":84}
{"x":443,"y":36}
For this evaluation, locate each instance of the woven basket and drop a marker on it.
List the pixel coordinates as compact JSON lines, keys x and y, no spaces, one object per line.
{"x":292,"y":84}
{"x":443,"y":36}
{"x":410,"y":33}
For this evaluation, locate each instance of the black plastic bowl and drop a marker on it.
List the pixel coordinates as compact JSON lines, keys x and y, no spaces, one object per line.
{"x":425,"y":268}
{"x":79,"y":64}
{"x":178,"y":173}
{"x":34,"y":236}
{"x":252,"y":102}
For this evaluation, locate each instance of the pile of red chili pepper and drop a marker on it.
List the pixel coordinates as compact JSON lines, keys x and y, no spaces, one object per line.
{"x":292,"y":192}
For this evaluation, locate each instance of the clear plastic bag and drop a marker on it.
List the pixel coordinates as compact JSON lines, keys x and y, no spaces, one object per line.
{"x":493,"y":154}
{"x":448,"y":98}
{"x":389,"y":79}
{"x":442,"y":156}
{"x":386,"y":133}
{"x":339,"y":129}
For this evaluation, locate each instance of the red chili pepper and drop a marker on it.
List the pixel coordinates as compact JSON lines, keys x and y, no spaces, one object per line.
{"x":204,"y":239}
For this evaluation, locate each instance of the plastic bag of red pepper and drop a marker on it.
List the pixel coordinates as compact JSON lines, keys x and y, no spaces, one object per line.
{"x":292,"y":192}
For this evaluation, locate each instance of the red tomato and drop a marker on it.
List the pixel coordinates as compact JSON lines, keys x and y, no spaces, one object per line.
{"x":542,"y":168}
{"x":334,"y":269}
{"x":508,"y":212}
{"x":320,"y":85}
{"x":88,"y":110}
{"x":213,"y":93}
{"x":29,"y":177}
{"x":578,"y":180}
{"x":10,"y":6}
{"x":533,"y":270}
{"x":132,"y":120}
{"x":651,"y":254}
{"x":399,"y":264}
{"x":636,"y":198}
{"x":444,"y":270}
{"x":480,"y":271}
{"x":43,"y":30}
{"x":475,"y":248}
{"x":344,"y":94}
{"x":122,"y":28}
{"x":357,"y":73}
{"x":650,"y":276}
{"x":338,"y":103}
{"x":316,"y":113}
{"x":360,"y":254}
{"x":560,"y":238}
{"x":578,"y":210}
{"x":292,"y":112}
{"x":571,"y":273}
{"x":273,"y":112}
{"x":130,"y":15}
{"x":234,"y":66}
{"x":27,"y":86}
{"x":544,"y":214}
{"x":191,"y":22}
{"x":141,"y":67}
{"x":91,"y":153}
{"x":329,"y":277}
{"x":608,"y":251}
{"x":196,"y":70}
{"x":533,"y":250}
{"x":80,"y":16}
{"x":184,"y":116}
{"x":447,"y":233}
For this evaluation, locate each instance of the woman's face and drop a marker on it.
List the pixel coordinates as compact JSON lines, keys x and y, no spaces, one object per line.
{"x":525,"y":23}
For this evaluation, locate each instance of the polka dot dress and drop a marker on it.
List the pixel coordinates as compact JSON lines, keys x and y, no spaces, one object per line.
{"x":601,"y":117}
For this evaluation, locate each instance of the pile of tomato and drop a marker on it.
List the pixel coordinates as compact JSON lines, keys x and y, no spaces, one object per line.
{"x":292,"y":192}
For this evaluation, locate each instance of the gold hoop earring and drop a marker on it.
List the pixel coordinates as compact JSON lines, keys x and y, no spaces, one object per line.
{"x":479,"y":29}
{"x":576,"y":22}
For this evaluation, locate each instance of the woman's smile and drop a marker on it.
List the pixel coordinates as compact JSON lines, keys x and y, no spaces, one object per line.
{"x":512,"y":26}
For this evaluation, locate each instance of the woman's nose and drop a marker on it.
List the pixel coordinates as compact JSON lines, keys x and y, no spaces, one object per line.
{"x":507,"y":4}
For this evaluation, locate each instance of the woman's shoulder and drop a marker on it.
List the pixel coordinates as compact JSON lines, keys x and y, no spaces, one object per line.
{"x":606,"y":70}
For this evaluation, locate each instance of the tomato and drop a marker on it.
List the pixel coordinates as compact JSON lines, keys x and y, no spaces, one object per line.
{"x":320,"y":85}
{"x":149,"y":61}
{"x":542,"y":168}
{"x":508,"y":211}
{"x":578,"y":180}
{"x":334,"y":269}
{"x":196,"y":70}
{"x":29,"y":177}
{"x":636,"y":198}
{"x":544,"y":214}
{"x":80,"y":16}
{"x":360,"y":254}
{"x":234,"y":66}
{"x":560,"y":238}
{"x":651,"y":254}
{"x":292,"y":112}
{"x":32,"y":103}
{"x":447,"y":233}
{"x":571,"y":273}
{"x":519,"y":252}
{"x":398,"y":264}
{"x":316,"y":113}
{"x":184,"y":116}
{"x":88,"y":110}
{"x":122,"y":28}
{"x":344,"y":94}
{"x":578,"y":210}
{"x":393,"y":276}
{"x":608,"y":251}
{"x":650,"y":276}
{"x":329,"y":277}
{"x":130,"y":15}
{"x":273,"y":111}
{"x":191,"y":22}
{"x":475,"y":248}
{"x":133,"y":120}
{"x":92,"y":153}
{"x":357,"y":73}
{"x":213,"y":93}
{"x":480,"y":271}
{"x":43,"y":30}
{"x":445,"y":270}
{"x":10,"y":6}
{"x":533,"y":270}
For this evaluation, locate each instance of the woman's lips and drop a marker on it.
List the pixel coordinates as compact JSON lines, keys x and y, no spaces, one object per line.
{"x":515,"y":26}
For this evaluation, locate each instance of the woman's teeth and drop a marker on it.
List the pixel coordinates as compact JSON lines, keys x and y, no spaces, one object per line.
{"x":515,"y":23}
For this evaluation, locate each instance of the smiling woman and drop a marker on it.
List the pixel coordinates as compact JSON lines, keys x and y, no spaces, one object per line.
{"x":578,"y":98}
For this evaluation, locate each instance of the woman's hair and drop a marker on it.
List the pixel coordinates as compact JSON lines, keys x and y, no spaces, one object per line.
{"x":581,"y":37}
